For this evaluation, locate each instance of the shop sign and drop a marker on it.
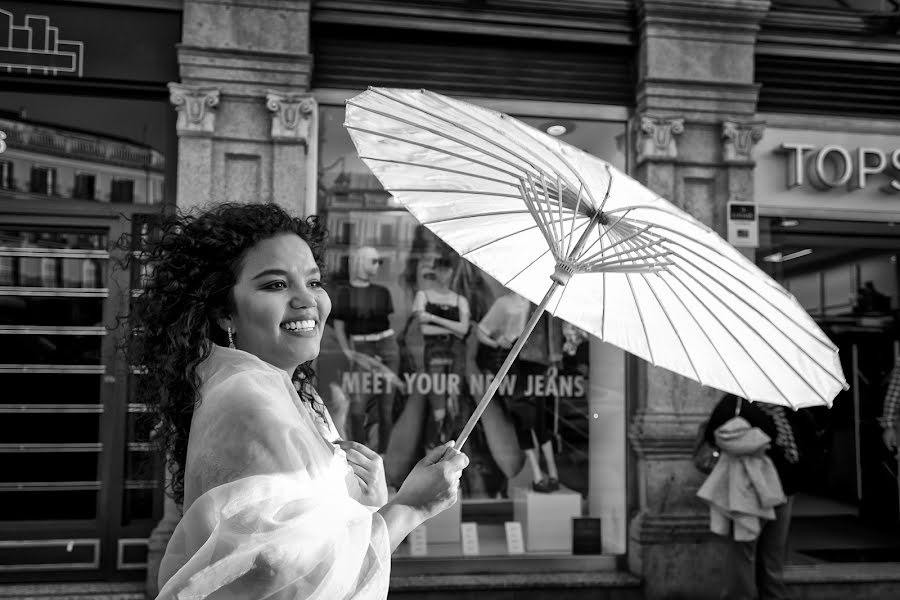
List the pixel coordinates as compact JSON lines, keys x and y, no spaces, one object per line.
{"x":35,"y":46}
{"x":834,"y":166}
{"x":830,"y":174}
{"x":73,"y":40}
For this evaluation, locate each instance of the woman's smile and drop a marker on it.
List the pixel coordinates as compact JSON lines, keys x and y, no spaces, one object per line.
{"x":302,"y":328}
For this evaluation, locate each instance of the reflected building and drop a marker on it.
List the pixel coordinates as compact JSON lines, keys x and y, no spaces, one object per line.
{"x":44,"y":160}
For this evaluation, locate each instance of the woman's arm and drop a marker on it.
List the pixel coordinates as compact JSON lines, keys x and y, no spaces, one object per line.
{"x":400,"y":520}
{"x":485,"y":338}
{"x":340,"y":332}
{"x":461,"y":327}
{"x":431,"y":488}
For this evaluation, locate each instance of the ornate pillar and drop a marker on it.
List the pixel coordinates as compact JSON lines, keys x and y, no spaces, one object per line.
{"x":196,"y":124}
{"x":292,"y":117}
{"x":243,"y":122}
{"x":695,"y":69}
{"x":158,"y":540}
{"x":738,"y":140}
{"x":256,"y":52}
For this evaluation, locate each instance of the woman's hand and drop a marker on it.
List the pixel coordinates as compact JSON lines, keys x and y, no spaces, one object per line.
{"x":369,"y":470}
{"x":433,"y":484}
{"x":425,"y":317}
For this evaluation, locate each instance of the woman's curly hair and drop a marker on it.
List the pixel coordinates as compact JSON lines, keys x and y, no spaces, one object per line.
{"x":193,"y":261}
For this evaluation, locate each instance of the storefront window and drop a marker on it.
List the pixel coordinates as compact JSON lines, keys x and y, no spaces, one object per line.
{"x":403,"y":383}
{"x":845,"y":274}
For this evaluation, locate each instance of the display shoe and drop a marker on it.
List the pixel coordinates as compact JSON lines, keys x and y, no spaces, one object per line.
{"x":545,"y":485}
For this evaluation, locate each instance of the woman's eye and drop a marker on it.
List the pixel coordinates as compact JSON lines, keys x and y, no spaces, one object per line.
{"x":276,"y":285}
{"x":316,"y":283}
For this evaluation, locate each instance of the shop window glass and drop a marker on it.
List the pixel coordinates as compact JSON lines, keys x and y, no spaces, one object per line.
{"x":43,"y":181}
{"x":539,"y":418}
{"x":845,"y":274}
{"x":122,"y":191}
{"x":6,"y":175}
{"x":84,"y":186}
{"x":64,"y":382}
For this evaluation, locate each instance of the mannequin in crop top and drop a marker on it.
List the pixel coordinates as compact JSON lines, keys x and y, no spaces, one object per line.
{"x":444,"y":321}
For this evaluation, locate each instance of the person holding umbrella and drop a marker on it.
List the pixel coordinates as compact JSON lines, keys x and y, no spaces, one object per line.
{"x":274,"y":503}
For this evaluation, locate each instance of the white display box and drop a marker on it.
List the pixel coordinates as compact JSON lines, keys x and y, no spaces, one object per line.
{"x":546,"y":518}
{"x":444,"y":527}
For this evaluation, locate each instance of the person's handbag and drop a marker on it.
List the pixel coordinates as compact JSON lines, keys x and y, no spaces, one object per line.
{"x":705,"y":454}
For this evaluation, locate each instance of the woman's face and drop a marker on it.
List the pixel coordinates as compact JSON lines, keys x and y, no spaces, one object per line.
{"x":280,"y":305}
{"x":443,"y":275}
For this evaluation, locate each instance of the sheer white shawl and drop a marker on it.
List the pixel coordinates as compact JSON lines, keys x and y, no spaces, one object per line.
{"x":268,"y":505}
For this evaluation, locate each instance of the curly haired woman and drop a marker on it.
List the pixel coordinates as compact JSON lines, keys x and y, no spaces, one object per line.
{"x":275,"y":504}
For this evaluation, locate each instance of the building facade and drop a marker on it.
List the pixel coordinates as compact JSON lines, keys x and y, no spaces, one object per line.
{"x":787,"y":105}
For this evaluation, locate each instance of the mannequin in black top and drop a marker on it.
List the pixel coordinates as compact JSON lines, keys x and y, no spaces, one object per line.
{"x":444,"y":320}
{"x":361,"y":315}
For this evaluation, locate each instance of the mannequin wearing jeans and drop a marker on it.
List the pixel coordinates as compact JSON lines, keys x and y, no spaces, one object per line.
{"x":540,"y":357}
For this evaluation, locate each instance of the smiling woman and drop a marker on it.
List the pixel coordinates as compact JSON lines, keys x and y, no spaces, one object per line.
{"x":275,"y":504}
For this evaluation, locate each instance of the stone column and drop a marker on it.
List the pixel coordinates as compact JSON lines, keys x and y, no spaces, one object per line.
{"x":695,"y":74}
{"x":243,"y":122}
{"x":292,"y":116}
{"x":196,"y":124}
{"x":256,"y":53}
{"x":158,"y":540}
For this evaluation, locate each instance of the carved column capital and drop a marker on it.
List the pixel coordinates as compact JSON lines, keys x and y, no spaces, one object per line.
{"x":196,"y":108}
{"x":291,"y":116}
{"x":738,"y":140}
{"x":656,"y":138}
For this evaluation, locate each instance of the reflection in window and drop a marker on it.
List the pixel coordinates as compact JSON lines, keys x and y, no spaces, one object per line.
{"x":81,"y":164}
{"x":6,"y":175}
{"x":122,"y":191}
{"x":845,"y":274}
{"x":443,"y":376}
{"x":43,"y":181}
{"x":84,"y":186}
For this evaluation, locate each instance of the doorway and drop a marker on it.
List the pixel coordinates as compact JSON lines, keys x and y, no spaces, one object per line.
{"x":845,"y":274}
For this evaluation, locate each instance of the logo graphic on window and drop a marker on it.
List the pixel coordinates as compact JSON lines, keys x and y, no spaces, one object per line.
{"x":35,"y":47}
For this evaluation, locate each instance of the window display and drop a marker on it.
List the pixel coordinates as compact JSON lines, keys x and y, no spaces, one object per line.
{"x":845,"y":274}
{"x":418,"y":333}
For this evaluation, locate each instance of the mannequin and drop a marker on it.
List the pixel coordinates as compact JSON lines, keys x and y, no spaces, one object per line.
{"x":540,"y":356}
{"x":444,"y":321}
{"x":362,"y":327}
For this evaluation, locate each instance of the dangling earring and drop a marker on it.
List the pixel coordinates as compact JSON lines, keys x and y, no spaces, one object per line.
{"x":230,"y":338}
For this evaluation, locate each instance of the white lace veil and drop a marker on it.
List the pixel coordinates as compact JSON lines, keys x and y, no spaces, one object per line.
{"x":268,"y":514}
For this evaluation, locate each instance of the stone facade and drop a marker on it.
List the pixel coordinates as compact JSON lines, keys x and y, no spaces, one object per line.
{"x":694,"y":133}
{"x":244,"y":111}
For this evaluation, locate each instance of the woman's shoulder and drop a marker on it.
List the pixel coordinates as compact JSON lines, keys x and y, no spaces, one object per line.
{"x":247,"y":389}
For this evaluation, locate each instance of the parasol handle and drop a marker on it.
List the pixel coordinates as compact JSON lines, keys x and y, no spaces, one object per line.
{"x":504,"y":368}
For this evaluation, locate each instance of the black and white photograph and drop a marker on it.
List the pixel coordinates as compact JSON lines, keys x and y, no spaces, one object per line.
{"x":449,"y":299}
